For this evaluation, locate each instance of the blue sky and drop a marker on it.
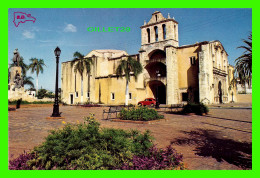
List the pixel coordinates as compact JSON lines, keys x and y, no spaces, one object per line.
{"x":67,"y":28}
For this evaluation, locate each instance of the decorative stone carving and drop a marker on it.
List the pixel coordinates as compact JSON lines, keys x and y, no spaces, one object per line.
{"x":18,"y":81}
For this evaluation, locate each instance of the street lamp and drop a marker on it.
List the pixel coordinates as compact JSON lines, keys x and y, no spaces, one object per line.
{"x":56,"y":112}
{"x":157,"y":99}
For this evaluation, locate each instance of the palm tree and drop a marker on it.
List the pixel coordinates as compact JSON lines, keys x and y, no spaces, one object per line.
{"x":126,"y":68}
{"x":244,"y":62}
{"x":36,"y":66}
{"x":81,"y":64}
{"x":28,"y":81}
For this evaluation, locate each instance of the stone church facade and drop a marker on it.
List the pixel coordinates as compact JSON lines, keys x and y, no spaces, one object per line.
{"x":198,"y":73}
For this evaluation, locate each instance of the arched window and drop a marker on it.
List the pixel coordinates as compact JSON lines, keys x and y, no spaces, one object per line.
{"x":164,"y":31}
{"x":148,"y":34}
{"x":156,"y":33}
{"x":156,"y":18}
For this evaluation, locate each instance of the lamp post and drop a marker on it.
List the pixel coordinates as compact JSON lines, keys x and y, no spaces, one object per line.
{"x":56,"y":112}
{"x":157,"y":91}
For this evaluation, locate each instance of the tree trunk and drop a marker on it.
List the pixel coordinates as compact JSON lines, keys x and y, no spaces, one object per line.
{"x":37,"y":86}
{"x":81,"y":95}
{"x":126,"y":93}
{"x":89,"y":85}
{"x":245,"y":86}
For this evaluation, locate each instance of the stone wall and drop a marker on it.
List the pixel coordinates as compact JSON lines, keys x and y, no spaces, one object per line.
{"x":244,"y":98}
{"x":188,"y":72}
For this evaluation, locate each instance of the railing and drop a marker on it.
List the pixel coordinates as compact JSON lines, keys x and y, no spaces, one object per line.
{"x":162,"y":60}
{"x":219,"y":71}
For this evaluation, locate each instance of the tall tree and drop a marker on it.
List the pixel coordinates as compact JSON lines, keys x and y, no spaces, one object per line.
{"x":126,"y":68}
{"x":36,"y":65}
{"x":28,"y":81}
{"x":244,"y":62}
{"x":80,"y":64}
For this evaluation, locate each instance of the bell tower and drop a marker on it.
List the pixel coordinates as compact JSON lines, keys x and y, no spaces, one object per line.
{"x":160,"y":29}
{"x":159,"y":43}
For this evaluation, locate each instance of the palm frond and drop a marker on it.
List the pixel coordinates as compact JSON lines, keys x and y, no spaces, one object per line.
{"x":80,"y":63}
{"x":78,"y":55}
{"x":244,"y":62}
{"x":28,"y":81}
{"x":126,"y":67}
{"x":36,"y":65}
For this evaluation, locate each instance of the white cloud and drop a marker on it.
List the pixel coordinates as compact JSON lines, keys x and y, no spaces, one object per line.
{"x":70,"y":28}
{"x":36,"y":29}
{"x":48,"y":41}
{"x":27,"y":34}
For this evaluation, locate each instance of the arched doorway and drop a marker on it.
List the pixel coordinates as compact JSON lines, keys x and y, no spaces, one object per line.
{"x":156,"y":77}
{"x":220,"y":92}
{"x":158,"y":89}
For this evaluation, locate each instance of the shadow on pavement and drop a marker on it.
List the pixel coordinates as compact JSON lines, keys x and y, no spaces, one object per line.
{"x":210,"y":143}
{"x":228,"y":119}
{"x":227,"y":127}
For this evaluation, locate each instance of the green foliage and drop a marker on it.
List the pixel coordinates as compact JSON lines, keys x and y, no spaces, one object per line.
{"x":36,"y":65}
{"x":81,"y":63}
{"x":244,"y":62}
{"x":28,"y":81}
{"x":140,"y":114}
{"x":50,"y":95}
{"x":43,"y":93}
{"x":127,"y":66}
{"x":87,"y":146}
{"x":199,"y":108}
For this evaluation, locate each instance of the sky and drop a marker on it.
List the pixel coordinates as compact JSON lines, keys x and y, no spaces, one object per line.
{"x":67,"y":28}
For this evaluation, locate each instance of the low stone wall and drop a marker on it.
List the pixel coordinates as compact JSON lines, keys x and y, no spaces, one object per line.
{"x":244,"y":98}
{"x":20,"y":93}
{"x":31,"y":99}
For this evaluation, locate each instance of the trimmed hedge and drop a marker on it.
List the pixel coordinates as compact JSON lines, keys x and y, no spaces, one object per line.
{"x":139,"y":114}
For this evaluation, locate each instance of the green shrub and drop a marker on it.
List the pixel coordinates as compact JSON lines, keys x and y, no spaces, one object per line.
{"x":139,"y":114}
{"x":199,"y":108}
{"x":87,"y":146}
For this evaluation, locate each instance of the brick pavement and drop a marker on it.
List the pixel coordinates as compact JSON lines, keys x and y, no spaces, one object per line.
{"x":220,"y":140}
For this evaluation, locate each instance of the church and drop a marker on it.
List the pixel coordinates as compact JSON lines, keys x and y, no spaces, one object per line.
{"x":198,"y":72}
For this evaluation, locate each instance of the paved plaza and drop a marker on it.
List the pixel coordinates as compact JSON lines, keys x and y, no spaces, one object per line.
{"x":220,"y":140}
